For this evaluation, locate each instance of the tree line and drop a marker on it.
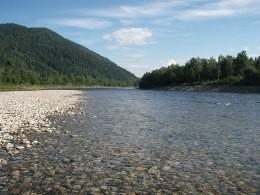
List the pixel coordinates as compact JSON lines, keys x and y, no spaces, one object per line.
{"x":240,"y":69}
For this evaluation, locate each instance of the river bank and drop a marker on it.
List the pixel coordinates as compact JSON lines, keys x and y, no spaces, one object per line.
{"x":213,"y":88}
{"x":23,"y":111}
{"x":58,"y":87}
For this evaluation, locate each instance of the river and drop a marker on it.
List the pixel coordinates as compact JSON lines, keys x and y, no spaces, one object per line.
{"x":147,"y":142}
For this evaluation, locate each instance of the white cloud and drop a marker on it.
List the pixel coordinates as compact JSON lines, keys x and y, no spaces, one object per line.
{"x":130,"y":36}
{"x":134,"y":11}
{"x":200,"y":13}
{"x":85,"y":23}
{"x":166,"y":11}
{"x":220,"y":8}
{"x":169,"y":62}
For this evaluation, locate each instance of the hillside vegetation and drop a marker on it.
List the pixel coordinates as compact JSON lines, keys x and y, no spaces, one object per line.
{"x":240,"y":70}
{"x":39,"y":56}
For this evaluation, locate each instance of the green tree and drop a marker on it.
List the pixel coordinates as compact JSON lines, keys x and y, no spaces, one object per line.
{"x":227,"y":70}
{"x":226,"y":64}
{"x":241,"y":62}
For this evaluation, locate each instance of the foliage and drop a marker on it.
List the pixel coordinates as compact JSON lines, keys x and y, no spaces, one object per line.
{"x":226,"y":70}
{"x":38,"y":56}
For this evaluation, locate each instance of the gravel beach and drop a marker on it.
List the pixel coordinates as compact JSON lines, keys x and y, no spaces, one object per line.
{"x":23,"y":111}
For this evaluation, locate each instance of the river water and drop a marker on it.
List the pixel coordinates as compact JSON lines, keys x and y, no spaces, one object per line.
{"x":146,"y":142}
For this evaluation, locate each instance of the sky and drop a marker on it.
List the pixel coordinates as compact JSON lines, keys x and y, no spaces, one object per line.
{"x":142,"y":35}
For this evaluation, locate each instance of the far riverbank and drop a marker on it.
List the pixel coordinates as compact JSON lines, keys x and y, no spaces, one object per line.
{"x":213,"y":88}
{"x":58,"y":87}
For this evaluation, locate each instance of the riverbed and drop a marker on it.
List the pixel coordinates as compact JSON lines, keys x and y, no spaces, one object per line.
{"x":144,"y":142}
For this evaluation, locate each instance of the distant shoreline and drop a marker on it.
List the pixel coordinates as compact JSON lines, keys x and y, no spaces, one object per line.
{"x":39,"y":87}
{"x":212,"y":88}
{"x":187,"y":88}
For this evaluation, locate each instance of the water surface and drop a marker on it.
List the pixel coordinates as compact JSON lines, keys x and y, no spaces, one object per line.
{"x":150,"y":142}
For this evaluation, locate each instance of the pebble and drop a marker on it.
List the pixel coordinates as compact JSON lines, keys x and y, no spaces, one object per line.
{"x":77,"y":187}
{"x":9,"y":146}
{"x":26,"y":141}
{"x":140,"y":168}
{"x":153,"y":170}
{"x":94,"y":190}
{"x":28,"y":145}
{"x":16,"y":173}
{"x":20,"y":147}
{"x":103,"y":187}
{"x":3,"y":162}
{"x":35,"y":142}
{"x":166,"y":168}
{"x":23,"y":111}
{"x":51,"y":172}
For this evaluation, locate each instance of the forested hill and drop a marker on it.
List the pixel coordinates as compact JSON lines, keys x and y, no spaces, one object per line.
{"x":42,"y":57}
{"x":239,"y":70}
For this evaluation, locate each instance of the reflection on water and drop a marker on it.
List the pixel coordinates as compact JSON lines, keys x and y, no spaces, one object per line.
{"x":150,"y":142}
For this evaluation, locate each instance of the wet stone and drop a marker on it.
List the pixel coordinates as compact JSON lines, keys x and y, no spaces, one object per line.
{"x":77,"y":187}
{"x":166,"y":168}
{"x":15,"y":173}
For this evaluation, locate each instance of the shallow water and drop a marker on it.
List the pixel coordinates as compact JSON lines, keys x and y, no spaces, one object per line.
{"x":146,"y":142}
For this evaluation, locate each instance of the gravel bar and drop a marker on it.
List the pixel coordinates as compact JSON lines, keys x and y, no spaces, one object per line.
{"x":23,"y":111}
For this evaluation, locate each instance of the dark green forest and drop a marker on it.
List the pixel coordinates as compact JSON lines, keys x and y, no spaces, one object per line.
{"x":39,"y":56}
{"x":228,"y":70}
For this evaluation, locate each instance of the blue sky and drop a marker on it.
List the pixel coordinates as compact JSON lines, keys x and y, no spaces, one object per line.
{"x":141,"y":35}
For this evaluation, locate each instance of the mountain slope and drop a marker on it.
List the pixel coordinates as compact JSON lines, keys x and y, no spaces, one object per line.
{"x":41,"y":56}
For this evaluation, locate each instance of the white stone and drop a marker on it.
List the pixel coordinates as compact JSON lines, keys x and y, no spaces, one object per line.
{"x":9,"y":146}
{"x":35,"y":142}
{"x":3,"y":162}
{"x":20,"y":147}
{"x":21,"y":111}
